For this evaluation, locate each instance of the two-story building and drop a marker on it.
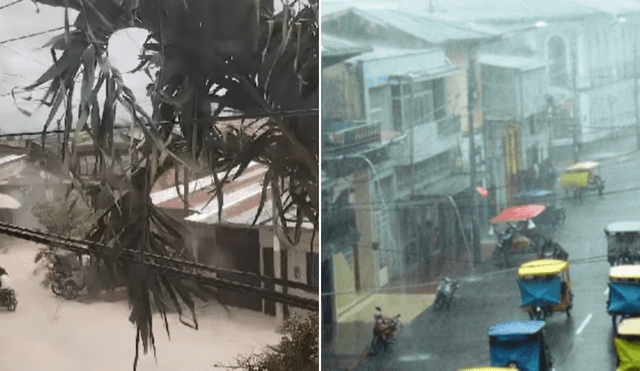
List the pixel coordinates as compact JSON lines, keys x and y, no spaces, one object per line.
{"x":393,"y":143}
{"x":590,"y":47}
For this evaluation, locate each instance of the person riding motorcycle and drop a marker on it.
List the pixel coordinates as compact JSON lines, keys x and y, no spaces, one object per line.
{"x":5,"y":282}
{"x":384,"y":326}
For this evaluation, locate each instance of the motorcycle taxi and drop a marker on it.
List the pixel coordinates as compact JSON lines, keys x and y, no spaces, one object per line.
{"x":553,"y":216}
{"x":517,"y":345}
{"x":627,"y":344}
{"x":72,"y":275}
{"x":581,"y":177}
{"x":516,"y":231}
{"x":623,"y":242}
{"x":545,"y":288}
{"x":624,"y":292}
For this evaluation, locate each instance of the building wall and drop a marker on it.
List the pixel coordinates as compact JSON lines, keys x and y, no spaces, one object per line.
{"x":342,"y":98}
{"x":365,"y":220}
{"x":457,"y":99}
{"x":457,"y":89}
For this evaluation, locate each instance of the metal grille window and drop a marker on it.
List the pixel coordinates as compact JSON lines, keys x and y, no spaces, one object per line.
{"x":412,"y":104}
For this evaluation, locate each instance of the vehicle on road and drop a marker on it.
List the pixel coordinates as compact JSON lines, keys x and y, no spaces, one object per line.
{"x":8,"y":299}
{"x":623,"y":242}
{"x":385,"y":329}
{"x":627,"y":344}
{"x":582,"y":177}
{"x":553,"y":216}
{"x":70,"y":275}
{"x":520,"y":343}
{"x":624,"y":292}
{"x":444,"y":296}
{"x":516,"y":232}
{"x":552,"y":250}
{"x":545,"y":288}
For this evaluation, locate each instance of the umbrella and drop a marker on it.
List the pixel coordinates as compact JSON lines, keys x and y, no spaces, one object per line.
{"x":8,"y":202}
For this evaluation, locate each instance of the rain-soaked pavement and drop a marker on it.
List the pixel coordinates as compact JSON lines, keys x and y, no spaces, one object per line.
{"x":50,"y":333}
{"x":455,"y":339}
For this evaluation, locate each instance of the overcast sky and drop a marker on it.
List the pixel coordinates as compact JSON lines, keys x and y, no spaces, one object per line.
{"x":23,"y":62}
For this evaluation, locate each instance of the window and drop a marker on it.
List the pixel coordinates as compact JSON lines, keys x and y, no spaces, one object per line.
{"x":558,"y":75}
{"x":413,"y":104}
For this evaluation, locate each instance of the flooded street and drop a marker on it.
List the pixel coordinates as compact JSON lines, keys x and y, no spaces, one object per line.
{"x":50,"y":333}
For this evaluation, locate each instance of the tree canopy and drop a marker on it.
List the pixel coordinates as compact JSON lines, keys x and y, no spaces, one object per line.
{"x":204,"y":58}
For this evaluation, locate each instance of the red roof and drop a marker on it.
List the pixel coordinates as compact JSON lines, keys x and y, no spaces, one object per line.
{"x":518,"y":214}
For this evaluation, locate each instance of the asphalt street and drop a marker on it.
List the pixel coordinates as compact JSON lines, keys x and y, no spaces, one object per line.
{"x":455,"y":339}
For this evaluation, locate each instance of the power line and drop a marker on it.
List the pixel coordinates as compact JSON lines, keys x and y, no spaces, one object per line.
{"x":10,"y":4}
{"x":171,"y":266}
{"x":31,"y":35}
{"x":595,"y":259}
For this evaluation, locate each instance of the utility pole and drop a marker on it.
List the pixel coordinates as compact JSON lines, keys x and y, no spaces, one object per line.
{"x":471,"y":100}
{"x":635,"y":93}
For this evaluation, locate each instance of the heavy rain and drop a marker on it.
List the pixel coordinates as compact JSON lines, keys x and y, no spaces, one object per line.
{"x":480,"y":185}
{"x":159,"y":176}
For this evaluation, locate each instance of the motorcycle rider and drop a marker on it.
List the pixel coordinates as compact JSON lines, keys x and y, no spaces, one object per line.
{"x":5,"y":283}
{"x":384,"y":324}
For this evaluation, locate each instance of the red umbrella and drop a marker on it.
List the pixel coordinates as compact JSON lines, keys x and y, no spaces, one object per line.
{"x":518,"y":214}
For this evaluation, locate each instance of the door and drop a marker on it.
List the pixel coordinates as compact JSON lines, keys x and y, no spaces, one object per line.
{"x":242,"y":250}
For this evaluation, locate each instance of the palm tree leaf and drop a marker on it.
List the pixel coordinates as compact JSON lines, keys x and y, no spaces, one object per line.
{"x":263,"y":195}
{"x":70,"y":57}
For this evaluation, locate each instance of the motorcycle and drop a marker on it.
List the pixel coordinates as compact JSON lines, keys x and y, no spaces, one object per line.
{"x":552,"y":250}
{"x":384,"y":329}
{"x":446,"y":289}
{"x":8,"y":299}
{"x":502,"y":251}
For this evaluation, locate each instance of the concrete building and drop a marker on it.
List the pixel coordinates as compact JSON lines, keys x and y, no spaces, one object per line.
{"x":396,"y":183}
{"x":230,"y":241}
{"x":590,"y":47}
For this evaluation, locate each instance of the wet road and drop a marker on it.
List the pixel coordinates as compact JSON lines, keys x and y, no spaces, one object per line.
{"x":456,"y":339}
{"x":50,"y":333}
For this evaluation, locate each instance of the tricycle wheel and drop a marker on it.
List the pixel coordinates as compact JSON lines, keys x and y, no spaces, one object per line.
{"x":69,"y":290}
{"x":13,"y":303}
{"x":376,"y":346}
{"x":55,"y":288}
{"x":568,"y":311}
{"x":531,"y":316}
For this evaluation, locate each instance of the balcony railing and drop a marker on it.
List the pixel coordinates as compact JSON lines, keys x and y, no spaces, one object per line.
{"x":351,"y":135}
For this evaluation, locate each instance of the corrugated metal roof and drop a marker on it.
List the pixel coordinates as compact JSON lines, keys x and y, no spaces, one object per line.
{"x":515,"y":62}
{"x":241,"y":200}
{"x":432,"y":29}
{"x":513,"y":10}
{"x":382,"y":53}
{"x":334,"y":46}
{"x":328,"y":8}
